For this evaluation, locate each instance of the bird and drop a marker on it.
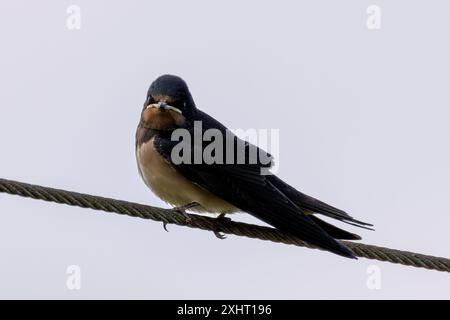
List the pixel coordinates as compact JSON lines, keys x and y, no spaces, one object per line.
{"x":223,"y":187}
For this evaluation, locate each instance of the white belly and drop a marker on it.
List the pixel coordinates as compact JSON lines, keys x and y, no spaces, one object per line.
{"x":172,"y":187}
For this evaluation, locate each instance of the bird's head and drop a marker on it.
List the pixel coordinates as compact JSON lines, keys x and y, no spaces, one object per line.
{"x":168,"y":105}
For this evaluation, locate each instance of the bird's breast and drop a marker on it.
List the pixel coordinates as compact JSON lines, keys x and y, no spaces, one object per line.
{"x":172,"y":187}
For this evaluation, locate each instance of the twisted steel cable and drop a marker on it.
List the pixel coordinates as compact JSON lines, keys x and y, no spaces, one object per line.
{"x":169,"y":216}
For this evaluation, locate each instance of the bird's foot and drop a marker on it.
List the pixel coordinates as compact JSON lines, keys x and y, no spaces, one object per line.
{"x":221,"y":217}
{"x":182,"y":209}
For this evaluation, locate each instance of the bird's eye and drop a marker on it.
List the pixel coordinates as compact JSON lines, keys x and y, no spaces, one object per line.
{"x":149,"y":100}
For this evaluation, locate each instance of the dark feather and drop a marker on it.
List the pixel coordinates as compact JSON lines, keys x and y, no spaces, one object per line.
{"x":309,"y":203}
{"x":243,"y":186}
{"x":334,"y":231}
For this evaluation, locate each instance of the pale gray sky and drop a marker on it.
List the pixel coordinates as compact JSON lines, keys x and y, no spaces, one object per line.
{"x":363,"y":118}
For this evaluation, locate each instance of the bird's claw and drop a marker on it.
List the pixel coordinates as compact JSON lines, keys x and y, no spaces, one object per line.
{"x":221,"y":218}
{"x":182,"y":210}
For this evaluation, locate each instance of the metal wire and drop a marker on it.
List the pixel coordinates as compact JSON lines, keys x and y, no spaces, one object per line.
{"x":206,"y":223}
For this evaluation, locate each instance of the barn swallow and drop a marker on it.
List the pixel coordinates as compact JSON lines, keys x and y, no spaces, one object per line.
{"x":224,"y":188}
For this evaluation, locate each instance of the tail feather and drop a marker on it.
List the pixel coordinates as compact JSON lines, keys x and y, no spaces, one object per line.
{"x":314,"y":205}
{"x":333,"y":231}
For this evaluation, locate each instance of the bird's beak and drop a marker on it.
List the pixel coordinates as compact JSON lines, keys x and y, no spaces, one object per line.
{"x":163,"y":106}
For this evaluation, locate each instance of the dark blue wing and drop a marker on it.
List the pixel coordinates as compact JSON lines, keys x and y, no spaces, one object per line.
{"x":245,"y":187}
